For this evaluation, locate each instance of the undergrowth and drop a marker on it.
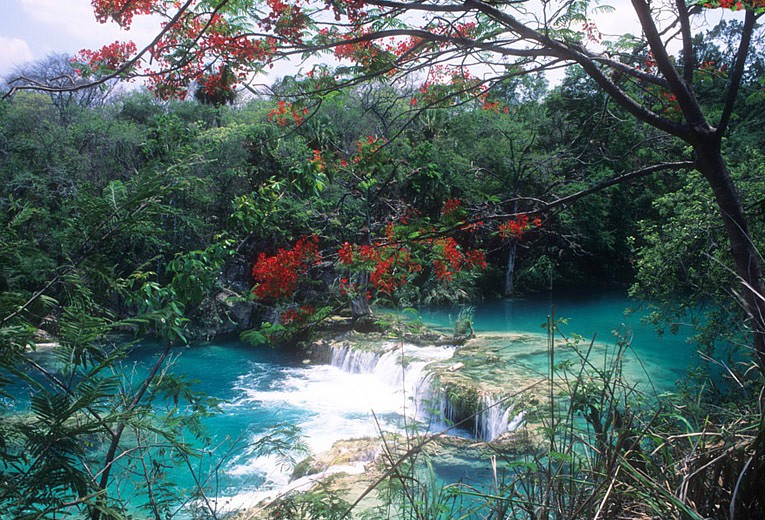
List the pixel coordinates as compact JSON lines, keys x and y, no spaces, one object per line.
{"x":606,"y":448}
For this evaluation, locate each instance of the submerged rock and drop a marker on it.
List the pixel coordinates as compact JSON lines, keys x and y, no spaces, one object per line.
{"x":344,"y":453}
{"x":356,"y":470}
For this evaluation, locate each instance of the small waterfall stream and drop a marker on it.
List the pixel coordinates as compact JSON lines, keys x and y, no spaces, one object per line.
{"x":496,"y":418}
{"x":404,"y":369}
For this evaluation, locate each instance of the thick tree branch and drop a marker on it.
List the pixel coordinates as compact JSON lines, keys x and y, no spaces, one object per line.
{"x":559,"y":49}
{"x":737,"y":73}
{"x":619,"y":179}
{"x":689,"y":105}
{"x":628,"y":70}
{"x":543,"y":206}
{"x":425,"y":6}
{"x":687,"y":38}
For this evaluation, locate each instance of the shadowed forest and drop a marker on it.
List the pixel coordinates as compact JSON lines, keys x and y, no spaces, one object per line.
{"x":280,"y":220}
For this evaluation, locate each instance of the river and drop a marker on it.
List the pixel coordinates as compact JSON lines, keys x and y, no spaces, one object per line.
{"x":262,"y":390}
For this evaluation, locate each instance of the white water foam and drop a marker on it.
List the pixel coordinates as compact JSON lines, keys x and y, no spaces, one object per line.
{"x":430,"y":404}
{"x":356,"y":396}
{"x":399,"y":367}
{"x":496,"y":418}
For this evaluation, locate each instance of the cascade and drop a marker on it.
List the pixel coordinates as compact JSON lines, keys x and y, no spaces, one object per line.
{"x":496,"y":418}
{"x":496,"y":415}
{"x":400,"y":367}
{"x":404,"y":368}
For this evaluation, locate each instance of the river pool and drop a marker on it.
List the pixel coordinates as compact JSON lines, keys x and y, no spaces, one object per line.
{"x":261,"y":389}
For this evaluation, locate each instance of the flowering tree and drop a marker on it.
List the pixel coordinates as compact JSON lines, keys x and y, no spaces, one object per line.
{"x":385,"y":268}
{"x":384,"y":271}
{"x":463,"y":49}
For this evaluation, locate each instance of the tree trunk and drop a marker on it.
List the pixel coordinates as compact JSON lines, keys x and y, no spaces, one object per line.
{"x":360,"y":304}
{"x":360,"y":307}
{"x":510,"y":267}
{"x":711,"y":164}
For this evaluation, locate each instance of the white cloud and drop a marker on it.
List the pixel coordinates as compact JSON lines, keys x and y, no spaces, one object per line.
{"x":74,"y":19}
{"x":15,"y":52}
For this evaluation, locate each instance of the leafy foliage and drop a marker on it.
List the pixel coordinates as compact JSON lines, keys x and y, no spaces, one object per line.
{"x":144,"y":217}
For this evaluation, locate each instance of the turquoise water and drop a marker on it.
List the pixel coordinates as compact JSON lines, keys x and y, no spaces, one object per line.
{"x":262,"y":389}
{"x":601,"y":316}
{"x":656,"y":363}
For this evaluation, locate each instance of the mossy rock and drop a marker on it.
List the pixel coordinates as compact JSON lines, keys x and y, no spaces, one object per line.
{"x":367,"y":324}
{"x":464,"y":402}
{"x":304,"y":468}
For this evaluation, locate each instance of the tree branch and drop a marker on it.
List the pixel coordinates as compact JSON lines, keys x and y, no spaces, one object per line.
{"x":737,"y":73}
{"x":691,"y":109}
{"x":685,"y":30}
{"x":114,"y":75}
{"x":635,"y":174}
{"x":116,"y":437}
{"x":559,"y":49}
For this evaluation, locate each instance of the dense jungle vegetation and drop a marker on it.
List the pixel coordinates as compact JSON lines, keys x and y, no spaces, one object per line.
{"x":261,"y":216}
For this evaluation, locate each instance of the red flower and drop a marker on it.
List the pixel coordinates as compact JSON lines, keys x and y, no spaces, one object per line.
{"x":345,"y":254}
{"x":517,"y":227}
{"x":475,"y":259}
{"x":450,"y":206}
{"x":276,"y":277}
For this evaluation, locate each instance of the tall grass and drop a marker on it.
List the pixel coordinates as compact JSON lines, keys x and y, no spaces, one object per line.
{"x":603,"y":447}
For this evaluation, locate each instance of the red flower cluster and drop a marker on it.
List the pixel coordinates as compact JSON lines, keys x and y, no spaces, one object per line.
{"x":107,"y":59}
{"x":736,"y":5}
{"x":363,"y":52}
{"x":286,"y":20}
{"x":475,"y":259}
{"x":366,"y":148}
{"x":196,"y":41}
{"x":392,"y":269}
{"x":296,"y":315}
{"x":345,"y":254}
{"x":353,"y":9}
{"x":472,"y":227}
{"x":446,"y":85}
{"x":389,"y":267}
{"x":709,"y":69}
{"x":285,"y":112}
{"x":450,"y":260}
{"x":450,"y":207}
{"x":404,"y":48}
{"x":277,"y":276}
{"x":348,"y":288}
{"x":649,"y":63}
{"x":517,"y":227}
{"x":219,"y":81}
{"x":121,"y":11}
{"x":318,"y":161}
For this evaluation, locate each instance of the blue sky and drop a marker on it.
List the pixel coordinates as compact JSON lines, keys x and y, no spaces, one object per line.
{"x":33,"y":29}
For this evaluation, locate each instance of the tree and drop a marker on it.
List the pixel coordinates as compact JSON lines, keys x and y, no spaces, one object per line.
{"x":74,"y":91}
{"x":466,"y":48}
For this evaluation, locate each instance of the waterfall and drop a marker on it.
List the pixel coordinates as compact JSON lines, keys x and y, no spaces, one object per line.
{"x":354,"y":361}
{"x":496,"y":418}
{"x":403,"y":368}
{"x":495,"y":415}
{"x":400,"y":367}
